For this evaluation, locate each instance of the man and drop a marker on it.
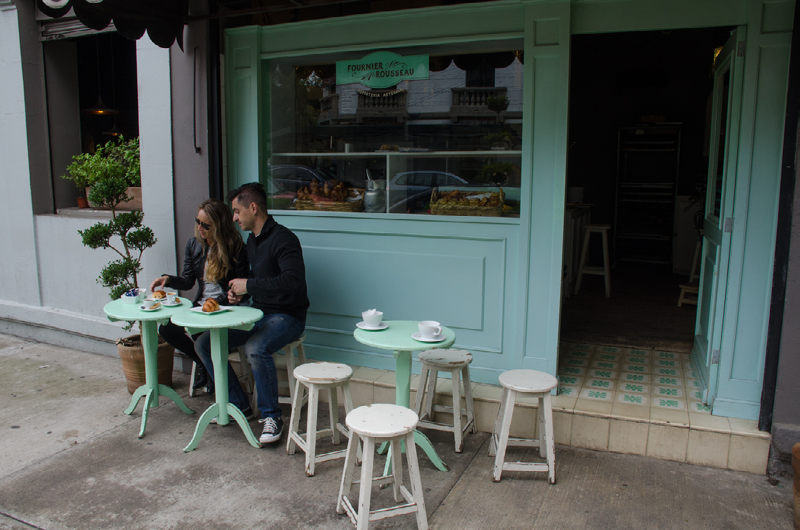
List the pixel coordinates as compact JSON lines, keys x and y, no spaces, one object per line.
{"x":277,"y":286}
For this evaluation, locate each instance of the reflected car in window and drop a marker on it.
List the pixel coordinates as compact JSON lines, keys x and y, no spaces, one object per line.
{"x":410,"y":191}
{"x":291,"y":178}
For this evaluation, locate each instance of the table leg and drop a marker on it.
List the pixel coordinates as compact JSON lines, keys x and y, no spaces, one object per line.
{"x":151,"y":390}
{"x":222,"y":409}
{"x":403,"y":398}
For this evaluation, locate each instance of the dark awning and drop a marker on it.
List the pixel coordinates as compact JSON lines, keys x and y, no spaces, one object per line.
{"x":162,"y":19}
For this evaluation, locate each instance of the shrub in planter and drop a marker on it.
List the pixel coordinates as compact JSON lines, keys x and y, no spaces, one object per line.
{"x":117,"y":161}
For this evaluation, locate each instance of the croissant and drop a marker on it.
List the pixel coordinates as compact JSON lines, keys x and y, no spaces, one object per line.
{"x":159,"y":294}
{"x":210,"y":306}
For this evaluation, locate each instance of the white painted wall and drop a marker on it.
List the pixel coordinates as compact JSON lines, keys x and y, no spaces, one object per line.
{"x":48,"y":288}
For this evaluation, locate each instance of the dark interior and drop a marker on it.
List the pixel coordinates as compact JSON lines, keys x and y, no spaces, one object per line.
{"x":636,"y":79}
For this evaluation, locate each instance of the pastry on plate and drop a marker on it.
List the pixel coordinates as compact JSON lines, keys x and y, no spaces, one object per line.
{"x":159,"y":294}
{"x":210,"y":306}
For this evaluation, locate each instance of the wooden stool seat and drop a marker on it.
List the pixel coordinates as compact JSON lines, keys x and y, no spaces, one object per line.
{"x":457,"y":363}
{"x":371,"y":424}
{"x":687,"y":289}
{"x":529,"y":382}
{"x":314,"y":377}
{"x":605,"y":270}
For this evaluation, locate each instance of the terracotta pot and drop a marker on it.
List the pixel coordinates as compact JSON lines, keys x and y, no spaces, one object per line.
{"x":135,"y":204}
{"x":82,"y":202}
{"x":132,"y":355}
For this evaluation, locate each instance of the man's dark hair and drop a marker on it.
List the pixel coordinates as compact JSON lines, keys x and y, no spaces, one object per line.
{"x":248,"y":194}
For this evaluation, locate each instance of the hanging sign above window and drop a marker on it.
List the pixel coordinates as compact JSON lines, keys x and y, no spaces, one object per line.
{"x":382,"y":69}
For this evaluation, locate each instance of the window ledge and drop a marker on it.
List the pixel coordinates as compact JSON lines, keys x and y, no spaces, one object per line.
{"x":84,"y":213}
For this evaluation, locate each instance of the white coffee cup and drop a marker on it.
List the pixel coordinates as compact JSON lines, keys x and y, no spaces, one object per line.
{"x":429,"y":329}
{"x":372,"y":318}
{"x":171,"y":298}
{"x":149,"y":302}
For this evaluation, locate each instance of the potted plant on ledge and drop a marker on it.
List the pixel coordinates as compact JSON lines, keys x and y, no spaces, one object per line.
{"x":118,"y":158}
{"x":125,"y":234}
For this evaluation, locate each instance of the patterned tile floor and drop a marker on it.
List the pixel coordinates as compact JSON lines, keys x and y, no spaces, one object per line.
{"x":649,"y":378}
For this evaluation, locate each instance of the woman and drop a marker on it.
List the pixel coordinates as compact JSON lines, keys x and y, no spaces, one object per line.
{"x":214,"y":257}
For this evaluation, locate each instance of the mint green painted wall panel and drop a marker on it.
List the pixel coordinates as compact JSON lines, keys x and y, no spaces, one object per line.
{"x":591,"y":16}
{"x":453,"y":272}
{"x":242,"y":120}
{"x":445,"y":24}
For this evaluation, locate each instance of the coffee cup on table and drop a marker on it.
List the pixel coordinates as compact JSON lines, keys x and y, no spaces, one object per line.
{"x":372,"y":317}
{"x":149,"y":303}
{"x":171,"y":298}
{"x":429,"y":329}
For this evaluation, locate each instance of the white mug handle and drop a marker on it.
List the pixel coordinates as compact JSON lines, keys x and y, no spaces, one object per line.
{"x":438,"y":332}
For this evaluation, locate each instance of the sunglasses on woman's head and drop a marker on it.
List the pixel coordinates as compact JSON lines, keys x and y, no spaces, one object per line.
{"x":200,"y":223}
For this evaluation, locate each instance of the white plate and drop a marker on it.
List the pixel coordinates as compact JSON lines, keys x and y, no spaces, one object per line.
{"x":148,"y":309}
{"x":436,"y":338}
{"x":167,"y":304}
{"x":199,"y":309}
{"x":363,"y":325}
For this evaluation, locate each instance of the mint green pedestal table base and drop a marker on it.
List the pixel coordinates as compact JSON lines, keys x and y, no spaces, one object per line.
{"x":397,"y":337}
{"x":237,"y":317}
{"x":222,"y":409}
{"x":148,"y":324}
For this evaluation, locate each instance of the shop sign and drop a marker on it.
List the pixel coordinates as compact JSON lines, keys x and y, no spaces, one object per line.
{"x":382,"y":69}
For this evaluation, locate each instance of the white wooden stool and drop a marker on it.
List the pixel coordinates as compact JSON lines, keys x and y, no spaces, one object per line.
{"x":377,"y":423}
{"x":316,"y":377}
{"x":457,"y":363}
{"x":605,"y":270}
{"x":528,"y":382}
{"x":686,"y":290}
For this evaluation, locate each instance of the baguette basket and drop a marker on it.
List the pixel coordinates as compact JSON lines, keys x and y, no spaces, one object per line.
{"x":354,"y":203}
{"x":439,"y":207}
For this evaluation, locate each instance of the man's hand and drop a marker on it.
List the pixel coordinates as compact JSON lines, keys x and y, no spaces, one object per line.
{"x":234,"y":299}
{"x":238,"y":286}
{"x":158,"y":283}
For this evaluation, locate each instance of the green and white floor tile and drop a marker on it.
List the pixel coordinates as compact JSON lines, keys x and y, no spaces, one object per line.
{"x":654,"y":379}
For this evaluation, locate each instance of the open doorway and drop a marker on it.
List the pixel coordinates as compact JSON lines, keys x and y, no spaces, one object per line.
{"x":638,"y":155}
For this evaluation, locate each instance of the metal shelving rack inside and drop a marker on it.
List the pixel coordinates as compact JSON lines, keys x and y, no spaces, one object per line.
{"x":648,"y":159}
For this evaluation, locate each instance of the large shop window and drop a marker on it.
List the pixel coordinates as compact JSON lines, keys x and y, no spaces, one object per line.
{"x":433,"y":130}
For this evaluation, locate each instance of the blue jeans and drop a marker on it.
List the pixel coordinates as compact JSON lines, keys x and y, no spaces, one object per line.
{"x":268,"y":335}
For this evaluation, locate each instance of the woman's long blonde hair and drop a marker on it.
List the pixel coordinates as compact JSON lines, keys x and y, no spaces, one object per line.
{"x":228,"y":240}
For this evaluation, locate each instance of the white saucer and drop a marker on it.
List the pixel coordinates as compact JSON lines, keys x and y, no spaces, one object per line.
{"x":436,"y":338}
{"x":167,"y":304}
{"x":148,"y":309}
{"x":363,"y":325}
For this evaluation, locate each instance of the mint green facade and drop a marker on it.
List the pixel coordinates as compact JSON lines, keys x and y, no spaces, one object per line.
{"x":496,"y":281}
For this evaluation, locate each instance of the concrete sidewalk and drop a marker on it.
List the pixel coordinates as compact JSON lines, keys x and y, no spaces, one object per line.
{"x":72,"y":459}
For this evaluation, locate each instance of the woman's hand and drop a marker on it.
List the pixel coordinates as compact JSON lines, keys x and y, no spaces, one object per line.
{"x":158,"y":283}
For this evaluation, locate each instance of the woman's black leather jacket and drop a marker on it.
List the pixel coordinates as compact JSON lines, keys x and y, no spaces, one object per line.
{"x":194,"y":264}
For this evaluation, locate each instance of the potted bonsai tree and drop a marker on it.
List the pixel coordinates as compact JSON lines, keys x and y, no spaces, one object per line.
{"x":119,"y":158}
{"x":125,"y":234}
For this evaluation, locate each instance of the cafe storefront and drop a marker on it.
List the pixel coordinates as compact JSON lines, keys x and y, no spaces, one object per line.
{"x":420,"y":157}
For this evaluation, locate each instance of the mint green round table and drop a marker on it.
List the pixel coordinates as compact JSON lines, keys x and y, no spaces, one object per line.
{"x":148,"y":324}
{"x":397,"y":337}
{"x":236,"y":317}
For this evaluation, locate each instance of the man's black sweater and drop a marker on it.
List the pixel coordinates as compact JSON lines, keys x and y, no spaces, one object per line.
{"x":277,"y":280}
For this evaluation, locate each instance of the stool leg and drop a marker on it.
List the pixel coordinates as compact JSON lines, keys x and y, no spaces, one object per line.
{"x":290,"y":366}
{"x":294,"y":423}
{"x":416,"y":481}
{"x":397,"y":469}
{"x":333,"y":408}
{"x":423,"y":381}
{"x":505,"y":427}
{"x":541,"y":434}
{"x":497,"y":422}
{"x":311,"y":429}
{"x":468,"y":398}
{"x":551,"y":449}
{"x":346,"y":485}
{"x":348,"y":406}
{"x":606,"y":266}
{"x":433,"y":373}
{"x":583,"y":261}
{"x":456,"y":383}
{"x":365,"y":490}
{"x":191,"y":379}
